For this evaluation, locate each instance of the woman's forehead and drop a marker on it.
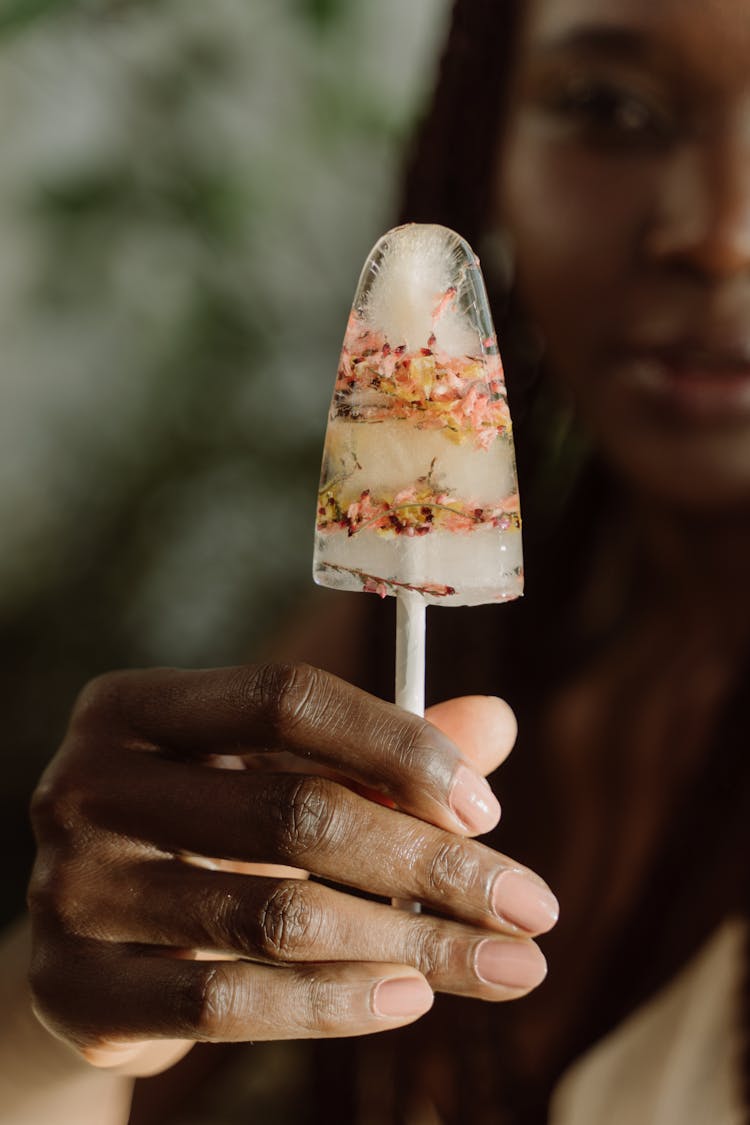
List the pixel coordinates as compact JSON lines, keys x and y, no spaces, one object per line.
{"x":554,"y":17}
{"x":714,"y":34}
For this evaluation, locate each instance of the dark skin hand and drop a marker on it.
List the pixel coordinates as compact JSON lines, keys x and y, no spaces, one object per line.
{"x":157,"y":919}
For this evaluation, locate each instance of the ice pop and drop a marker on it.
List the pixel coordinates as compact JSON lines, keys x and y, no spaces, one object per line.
{"x":418,"y":492}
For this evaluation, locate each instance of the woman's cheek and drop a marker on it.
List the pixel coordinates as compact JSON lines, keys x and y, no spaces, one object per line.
{"x":574,"y":220}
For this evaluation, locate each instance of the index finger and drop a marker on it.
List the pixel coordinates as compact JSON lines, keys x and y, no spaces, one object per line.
{"x":300,"y":709}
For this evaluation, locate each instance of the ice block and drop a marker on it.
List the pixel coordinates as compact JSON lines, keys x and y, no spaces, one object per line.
{"x":418,"y":491}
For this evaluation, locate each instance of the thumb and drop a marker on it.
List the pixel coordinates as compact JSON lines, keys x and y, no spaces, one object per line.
{"x":482,"y":726}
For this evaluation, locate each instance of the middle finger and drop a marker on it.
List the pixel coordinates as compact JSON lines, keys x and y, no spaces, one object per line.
{"x":321,"y":826}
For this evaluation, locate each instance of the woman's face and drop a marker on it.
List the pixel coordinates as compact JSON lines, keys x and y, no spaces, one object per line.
{"x":625,"y":184}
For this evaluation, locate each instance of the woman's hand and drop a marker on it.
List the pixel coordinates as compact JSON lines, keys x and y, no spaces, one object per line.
{"x":154,"y":927}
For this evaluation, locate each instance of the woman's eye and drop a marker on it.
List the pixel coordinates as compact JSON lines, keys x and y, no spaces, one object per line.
{"x":610,"y":115}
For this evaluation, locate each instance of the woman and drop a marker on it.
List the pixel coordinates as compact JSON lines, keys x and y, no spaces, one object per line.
{"x":609,"y":144}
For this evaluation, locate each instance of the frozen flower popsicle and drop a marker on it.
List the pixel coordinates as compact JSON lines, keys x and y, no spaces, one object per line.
{"x":418,"y":492}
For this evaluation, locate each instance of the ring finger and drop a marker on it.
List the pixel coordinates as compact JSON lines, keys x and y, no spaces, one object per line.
{"x":293,"y":921}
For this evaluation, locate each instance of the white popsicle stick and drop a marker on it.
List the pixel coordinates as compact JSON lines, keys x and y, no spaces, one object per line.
{"x":410,"y":664}
{"x":410,"y":651}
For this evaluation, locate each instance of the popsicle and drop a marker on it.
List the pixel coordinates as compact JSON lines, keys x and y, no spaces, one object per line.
{"x":418,"y":493}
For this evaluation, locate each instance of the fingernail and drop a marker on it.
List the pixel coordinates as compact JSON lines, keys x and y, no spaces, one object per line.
{"x":401,"y":997}
{"x":473,"y":802}
{"x":524,"y":903}
{"x":512,"y":963}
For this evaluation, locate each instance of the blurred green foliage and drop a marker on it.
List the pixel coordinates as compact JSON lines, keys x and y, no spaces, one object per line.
{"x":323,"y":13}
{"x":16,"y":13}
{"x":187,"y":193}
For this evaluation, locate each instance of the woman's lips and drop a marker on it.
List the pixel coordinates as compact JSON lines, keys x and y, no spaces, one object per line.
{"x":693,"y":382}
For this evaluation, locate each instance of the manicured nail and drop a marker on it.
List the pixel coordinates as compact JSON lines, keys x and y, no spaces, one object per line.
{"x":524,"y":903}
{"x":402,"y":997}
{"x":512,"y":963}
{"x":473,"y":802}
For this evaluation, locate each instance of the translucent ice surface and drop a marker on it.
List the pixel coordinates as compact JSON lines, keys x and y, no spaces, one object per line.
{"x":418,"y":488}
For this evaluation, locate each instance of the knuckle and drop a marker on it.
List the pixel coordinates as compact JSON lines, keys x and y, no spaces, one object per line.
{"x":226,"y":926}
{"x":58,"y":897}
{"x":415,"y":755}
{"x":48,"y":999}
{"x":104,"y":697}
{"x":212,"y":1003}
{"x":306,"y":818}
{"x":284,"y":692}
{"x":44,"y":805}
{"x":57,"y":806}
{"x":327,"y":1008}
{"x":289,"y":923}
{"x":452,"y":870}
{"x":433,"y":954}
{"x":410,"y":750}
{"x":43,"y":894}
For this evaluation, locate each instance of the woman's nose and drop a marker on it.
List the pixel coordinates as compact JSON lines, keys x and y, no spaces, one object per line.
{"x":702,"y":221}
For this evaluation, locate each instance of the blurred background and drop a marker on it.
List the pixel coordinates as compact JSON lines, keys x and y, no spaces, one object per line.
{"x":188,"y":190}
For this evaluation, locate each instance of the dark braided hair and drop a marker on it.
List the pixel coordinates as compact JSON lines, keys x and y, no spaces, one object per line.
{"x":449,"y":171}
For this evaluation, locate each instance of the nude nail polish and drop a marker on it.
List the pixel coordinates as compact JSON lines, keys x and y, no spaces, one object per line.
{"x":524,"y":903}
{"x":401,"y":997}
{"x":514,"y":964}
{"x":473,"y":802}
